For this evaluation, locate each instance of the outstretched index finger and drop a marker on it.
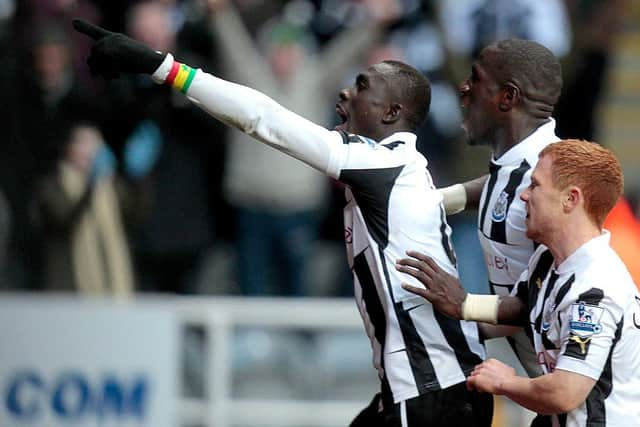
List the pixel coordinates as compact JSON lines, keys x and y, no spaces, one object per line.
{"x":90,"y":30}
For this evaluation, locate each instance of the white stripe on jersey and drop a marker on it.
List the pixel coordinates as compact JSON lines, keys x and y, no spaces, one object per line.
{"x":582,"y":319}
{"x":393,"y":206}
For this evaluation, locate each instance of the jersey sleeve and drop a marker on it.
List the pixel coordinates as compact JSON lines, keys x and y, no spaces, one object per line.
{"x":590,"y":329}
{"x":363,"y":163}
{"x":259,"y":116}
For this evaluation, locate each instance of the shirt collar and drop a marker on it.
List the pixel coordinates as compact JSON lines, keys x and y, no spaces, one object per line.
{"x":408,"y":138}
{"x":540,"y":137}
{"x":585,"y":253}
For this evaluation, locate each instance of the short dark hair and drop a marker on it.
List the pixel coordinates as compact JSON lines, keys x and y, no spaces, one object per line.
{"x":414,"y":90}
{"x":534,"y":66}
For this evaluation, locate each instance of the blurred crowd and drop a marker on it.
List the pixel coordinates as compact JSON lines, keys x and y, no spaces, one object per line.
{"x":123,"y":186}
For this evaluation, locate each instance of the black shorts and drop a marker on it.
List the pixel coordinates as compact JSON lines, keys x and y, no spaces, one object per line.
{"x":453,"y":406}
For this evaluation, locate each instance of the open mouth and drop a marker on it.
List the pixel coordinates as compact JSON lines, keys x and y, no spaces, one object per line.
{"x":343,"y":116}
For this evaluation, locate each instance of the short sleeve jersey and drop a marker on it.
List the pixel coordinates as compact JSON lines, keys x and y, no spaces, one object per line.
{"x":501,"y":220}
{"x":585,"y":318}
{"x":392,"y":206}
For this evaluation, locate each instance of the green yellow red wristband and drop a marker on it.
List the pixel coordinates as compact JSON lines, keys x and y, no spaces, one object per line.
{"x":180,"y":76}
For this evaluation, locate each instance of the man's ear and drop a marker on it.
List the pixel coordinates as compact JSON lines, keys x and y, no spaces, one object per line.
{"x":392,"y":113}
{"x":572,"y":198}
{"x":510,"y":96}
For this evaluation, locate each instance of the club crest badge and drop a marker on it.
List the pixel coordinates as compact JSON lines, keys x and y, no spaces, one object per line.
{"x":499,"y":212}
{"x":585,"y":319}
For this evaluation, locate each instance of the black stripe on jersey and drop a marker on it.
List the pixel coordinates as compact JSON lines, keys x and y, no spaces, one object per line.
{"x":522,"y":290}
{"x":452,"y":330}
{"x":421,"y":366}
{"x":423,"y":371}
{"x":392,"y":145}
{"x":564,"y":289}
{"x":562,"y":292}
{"x":547,"y":292}
{"x":493,"y":286}
{"x":498,"y":228}
{"x":540,"y":272}
{"x":596,"y":414}
{"x":493,"y":171}
{"x":372,"y":189}
{"x":372,"y":302}
{"x":592,"y":297}
{"x":578,"y":347}
{"x":562,"y":419}
{"x":446,"y":243}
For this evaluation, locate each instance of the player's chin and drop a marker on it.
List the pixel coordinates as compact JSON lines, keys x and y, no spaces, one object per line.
{"x":531,"y":233}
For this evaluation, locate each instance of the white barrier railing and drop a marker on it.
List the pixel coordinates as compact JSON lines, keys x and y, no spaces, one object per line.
{"x":218,"y":317}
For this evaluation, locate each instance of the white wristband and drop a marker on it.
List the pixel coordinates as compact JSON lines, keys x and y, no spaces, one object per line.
{"x":481,"y":308}
{"x":454,"y":198}
{"x":161,"y":73}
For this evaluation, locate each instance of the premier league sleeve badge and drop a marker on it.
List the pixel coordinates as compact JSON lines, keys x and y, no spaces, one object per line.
{"x":584,"y":322}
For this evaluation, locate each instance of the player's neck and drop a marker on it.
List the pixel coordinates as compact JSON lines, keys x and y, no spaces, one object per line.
{"x":570,"y":237}
{"x":513,"y":133}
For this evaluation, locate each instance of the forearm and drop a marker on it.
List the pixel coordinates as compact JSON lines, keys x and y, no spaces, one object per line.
{"x":554,"y":393}
{"x":488,"y":331}
{"x":259,"y":116}
{"x":459,"y":197}
{"x":473,"y":191}
{"x":512,"y":311}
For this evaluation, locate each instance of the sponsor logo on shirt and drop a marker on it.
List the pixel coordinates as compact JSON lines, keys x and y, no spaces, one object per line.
{"x":582,"y":342}
{"x":497,"y":262}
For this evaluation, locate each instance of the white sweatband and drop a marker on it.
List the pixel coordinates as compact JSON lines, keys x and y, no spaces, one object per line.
{"x":161,"y":73}
{"x":454,"y":198}
{"x":481,"y":308}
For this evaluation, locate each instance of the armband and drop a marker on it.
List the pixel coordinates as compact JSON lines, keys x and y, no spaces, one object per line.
{"x":173,"y":73}
{"x":481,"y":308}
{"x":180,"y":76}
{"x":454,"y":198}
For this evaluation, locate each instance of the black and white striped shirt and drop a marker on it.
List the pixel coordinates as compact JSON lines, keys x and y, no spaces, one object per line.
{"x":392,"y":206}
{"x":585,"y":318}
{"x":501,"y":224}
{"x":501,"y":220}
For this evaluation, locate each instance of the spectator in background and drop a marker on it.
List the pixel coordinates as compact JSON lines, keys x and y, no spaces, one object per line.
{"x":78,"y":210}
{"x":470,"y":25}
{"x":595,"y":25}
{"x":40,"y":94}
{"x":168,"y":160}
{"x":278,"y":199}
